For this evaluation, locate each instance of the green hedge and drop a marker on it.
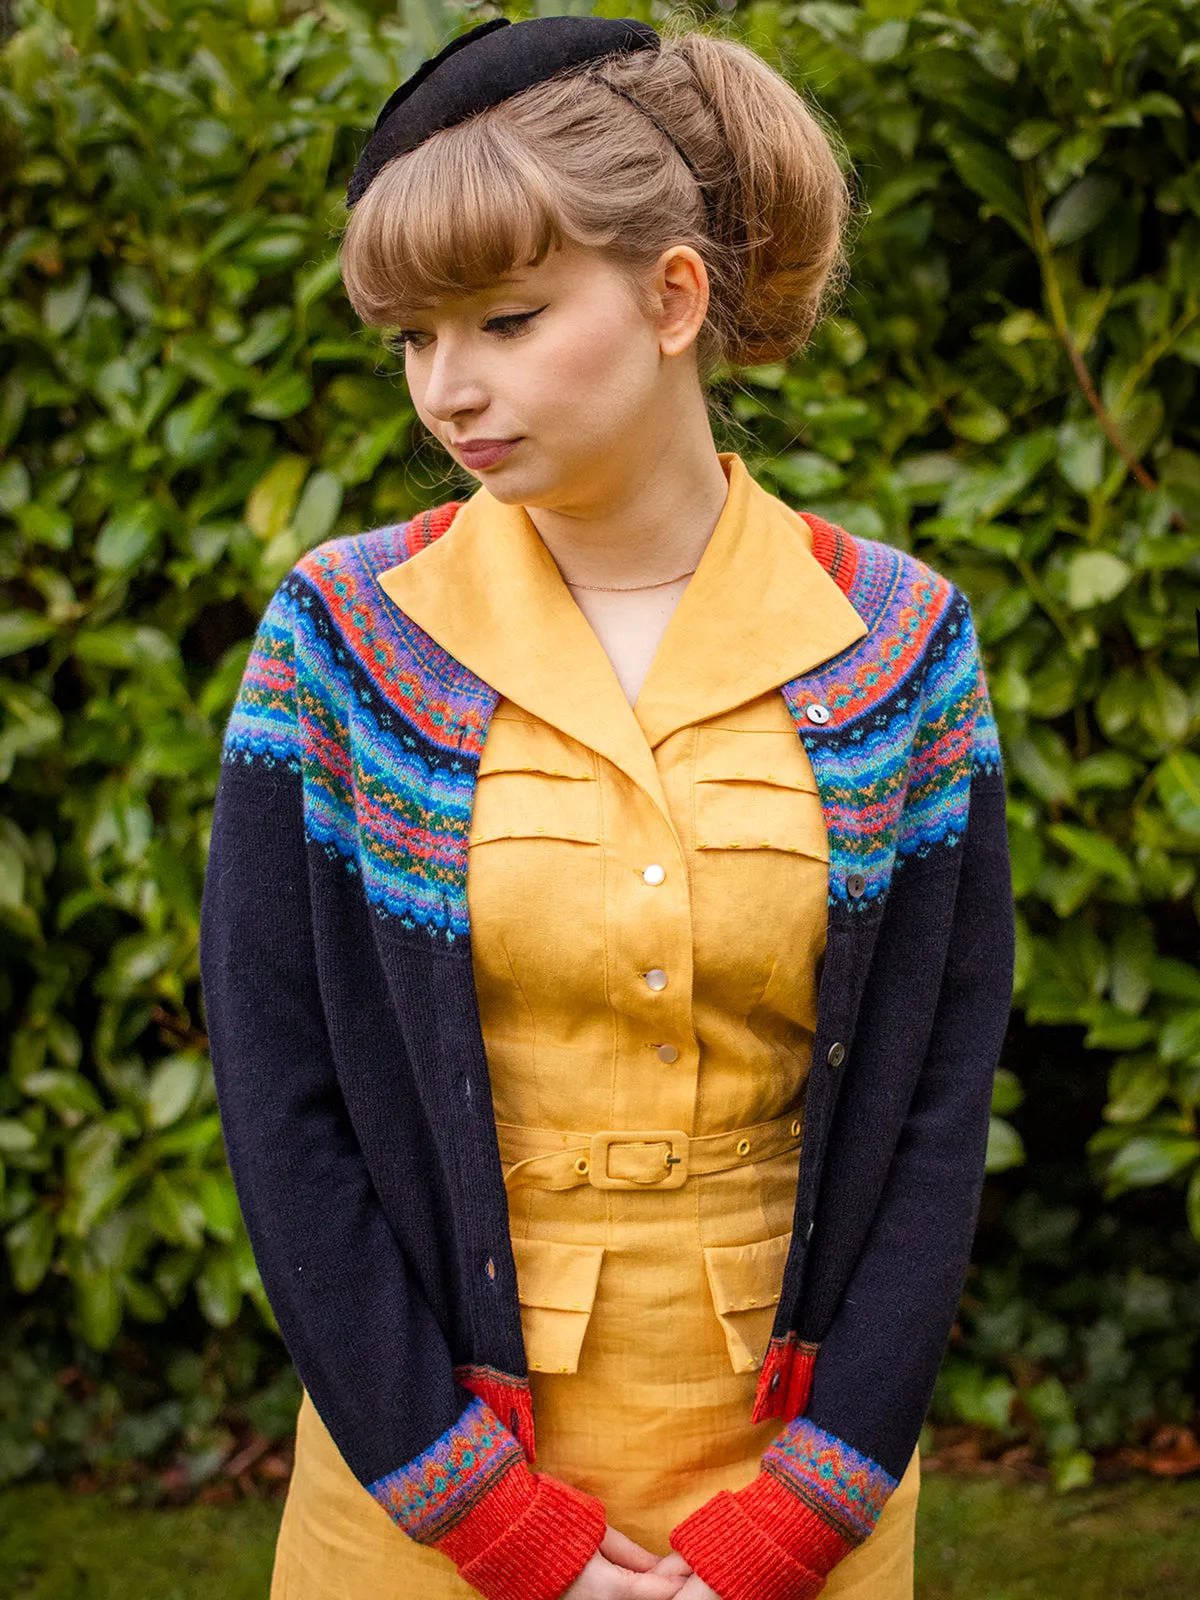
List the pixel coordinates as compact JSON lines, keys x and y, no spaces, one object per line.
{"x":187,"y":404}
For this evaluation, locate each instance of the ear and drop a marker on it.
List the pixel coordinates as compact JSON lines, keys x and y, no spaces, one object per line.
{"x":680,"y":285}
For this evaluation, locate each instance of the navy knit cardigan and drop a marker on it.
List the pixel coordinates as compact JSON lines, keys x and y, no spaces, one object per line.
{"x":355,"y":1100}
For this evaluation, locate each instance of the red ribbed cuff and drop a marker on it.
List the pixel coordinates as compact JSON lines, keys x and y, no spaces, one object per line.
{"x":759,"y":1543}
{"x":528,"y":1538}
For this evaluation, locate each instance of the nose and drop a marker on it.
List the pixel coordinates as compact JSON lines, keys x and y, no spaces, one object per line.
{"x":451,"y":385}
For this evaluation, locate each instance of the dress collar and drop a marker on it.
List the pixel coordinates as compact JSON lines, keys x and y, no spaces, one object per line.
{"x":759,"y":610}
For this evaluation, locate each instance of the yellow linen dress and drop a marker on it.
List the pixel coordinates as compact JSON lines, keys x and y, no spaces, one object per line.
{"x":647,"y":895}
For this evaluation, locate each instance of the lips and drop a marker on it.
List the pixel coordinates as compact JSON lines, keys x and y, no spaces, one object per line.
{"x":484,"y":452}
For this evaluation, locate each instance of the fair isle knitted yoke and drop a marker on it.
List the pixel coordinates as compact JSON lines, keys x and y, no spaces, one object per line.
{"x":354,"y":1093}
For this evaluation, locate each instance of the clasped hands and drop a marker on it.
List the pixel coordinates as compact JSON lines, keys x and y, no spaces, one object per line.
{"x":622,"y":1570}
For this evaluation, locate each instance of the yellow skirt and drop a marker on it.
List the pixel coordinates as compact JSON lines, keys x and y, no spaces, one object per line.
{"x":645,"y":1317}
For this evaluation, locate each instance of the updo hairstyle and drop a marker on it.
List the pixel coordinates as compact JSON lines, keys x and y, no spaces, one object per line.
{"x":569,"y":160}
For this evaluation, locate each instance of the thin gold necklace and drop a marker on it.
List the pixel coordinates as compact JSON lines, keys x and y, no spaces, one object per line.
{"x":628,"y":588}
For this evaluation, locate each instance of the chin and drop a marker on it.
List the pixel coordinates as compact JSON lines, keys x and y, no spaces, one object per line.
{"x":517,"y":484}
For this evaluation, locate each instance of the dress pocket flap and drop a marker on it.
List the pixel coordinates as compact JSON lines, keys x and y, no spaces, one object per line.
{"x":746,"y":1280}
{"x":744,"y":1277}
{"x":532,"y":804}
{"x":514,"y":745}
{"x":556,"y":1286}
{"x":561,"y":1277}
{"x":755,"y":815}
{"x":762,"y":756}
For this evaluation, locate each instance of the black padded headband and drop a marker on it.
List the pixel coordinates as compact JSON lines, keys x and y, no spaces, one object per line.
{"x":503,"y":58}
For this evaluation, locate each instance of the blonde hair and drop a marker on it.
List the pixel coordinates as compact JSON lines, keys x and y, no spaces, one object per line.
{"x":570,"y":161}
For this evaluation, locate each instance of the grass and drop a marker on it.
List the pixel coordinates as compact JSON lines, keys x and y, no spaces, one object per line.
{"x":977,"y":1539}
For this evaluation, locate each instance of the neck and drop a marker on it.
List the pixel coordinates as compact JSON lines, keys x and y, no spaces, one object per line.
{"x":646,"y":524}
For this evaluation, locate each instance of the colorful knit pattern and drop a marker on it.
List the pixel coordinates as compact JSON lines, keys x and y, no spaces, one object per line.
{"x":432,"y":1493}
{"x":845,"y":1489}
{"x":507,"y":1396}
{"x":387,"y":728}
{"x":264,"y":727}
{"x":893,"y":763}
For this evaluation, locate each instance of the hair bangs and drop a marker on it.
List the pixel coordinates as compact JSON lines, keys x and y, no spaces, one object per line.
{"x":449,"y":218}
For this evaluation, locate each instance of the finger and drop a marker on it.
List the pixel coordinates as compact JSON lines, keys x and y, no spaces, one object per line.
{"x":625,"y":1552}
{"x":673,"y":1566}
{"x":696,"y":1589}
{"x":619,"y":1584}
{"x":649,"y":1586}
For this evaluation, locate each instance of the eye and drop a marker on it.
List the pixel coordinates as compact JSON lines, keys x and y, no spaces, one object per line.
{"x":404,"y":338}
{"x":513,"y":324}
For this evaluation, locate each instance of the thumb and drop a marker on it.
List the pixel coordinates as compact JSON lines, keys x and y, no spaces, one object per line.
{"x":624,"y":1552}
{"x":673,"y":1566}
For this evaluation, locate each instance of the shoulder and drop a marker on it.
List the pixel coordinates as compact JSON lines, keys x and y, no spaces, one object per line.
{"x":907,"y":604}
{"x":377,"y":549}
{"x":337,"y":580}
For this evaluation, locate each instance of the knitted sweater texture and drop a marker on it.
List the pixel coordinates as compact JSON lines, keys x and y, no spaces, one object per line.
{"x":354,"y":1092}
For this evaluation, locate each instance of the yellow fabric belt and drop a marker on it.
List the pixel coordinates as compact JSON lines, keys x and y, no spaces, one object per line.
{"x":624,"y":1158}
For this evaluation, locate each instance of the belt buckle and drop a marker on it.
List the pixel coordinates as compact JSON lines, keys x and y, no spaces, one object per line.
{"x":675,"y":1168}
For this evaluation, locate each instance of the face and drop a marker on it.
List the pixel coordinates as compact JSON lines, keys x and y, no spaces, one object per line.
{"x":550,"y":386}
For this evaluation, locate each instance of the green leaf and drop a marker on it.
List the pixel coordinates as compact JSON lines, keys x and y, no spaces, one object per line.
{"x":281,"y":395}
{"x":15,"y":1137}
{"x":175,"y":1212}
{"x":1149,"y":1159}
{"x":1075,"y":1470}
{"x":990,"y":174}
{"x":318,"y":509}
{"x":62,"y":305}
{"x":267,"y":332}
{"x":1094,"y":576}
{"x":1081,"y":208}
{"x":98,"y":1306}
{"x":43,"y":524}
{"x":1177,"y":779}
{"x":218,"y":1290}
{"x":218,"y":1201}
{"x":1007,"y":1093}
{"x":30,"y":1244}
{"x":981,"y":1398}
{"x":271,"y":502}
{"x":1081,"y":454}
{"x":1180,"y":1037}
{"x":173,"y":1085}
{"x":1178,"y":980}
{"x":1030,"y":138}
{"x":21,"y":630}
{"x":1136,"y":1084}
{"x":1005,"y":1148}
{"x":127,"y":535}
{"x":1096,"y":851}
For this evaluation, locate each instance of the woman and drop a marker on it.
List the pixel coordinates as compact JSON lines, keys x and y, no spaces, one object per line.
{"x":607,"y":935}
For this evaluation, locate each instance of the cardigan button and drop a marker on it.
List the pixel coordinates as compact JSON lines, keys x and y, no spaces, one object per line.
{"x":817,"y":713}
{"x":837,"y":1054}
{"x":855,"y":884}
{"x":774,"y":1383}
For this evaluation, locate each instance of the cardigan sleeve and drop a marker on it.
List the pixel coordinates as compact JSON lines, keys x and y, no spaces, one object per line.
{"x":346,"y":1298}
{"x":822,"y":1484}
